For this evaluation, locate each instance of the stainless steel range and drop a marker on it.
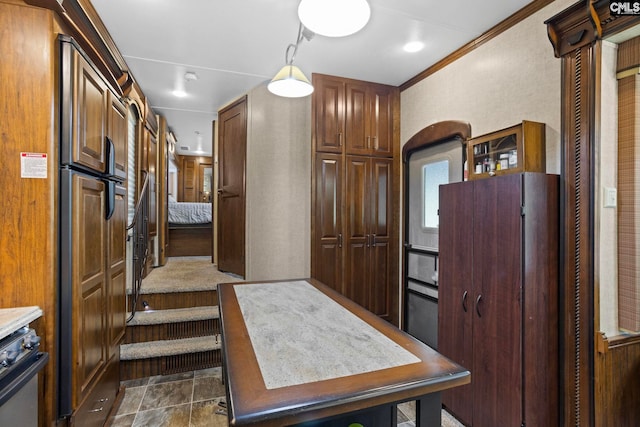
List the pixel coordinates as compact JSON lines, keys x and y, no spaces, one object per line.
{"x":20,"y":361}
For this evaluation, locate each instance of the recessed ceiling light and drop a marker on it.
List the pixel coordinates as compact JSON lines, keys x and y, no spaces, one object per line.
{"x":412,"y":47}
{"x":179,"y":93}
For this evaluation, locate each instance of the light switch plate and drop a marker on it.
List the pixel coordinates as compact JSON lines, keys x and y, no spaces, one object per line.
{"x":610,"y":197}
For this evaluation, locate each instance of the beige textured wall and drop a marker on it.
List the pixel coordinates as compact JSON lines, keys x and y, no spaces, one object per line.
{"x":607,"y":218}
{"x":278,"y":187}
{"x":513,"y":77}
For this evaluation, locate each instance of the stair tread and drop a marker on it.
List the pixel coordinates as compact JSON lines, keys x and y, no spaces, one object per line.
{"x":149,"y":349}
{"x":174,"y":315}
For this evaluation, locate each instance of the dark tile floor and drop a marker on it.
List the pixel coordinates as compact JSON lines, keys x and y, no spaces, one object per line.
{"x":188,"y":399}
{"x":191,"y":399}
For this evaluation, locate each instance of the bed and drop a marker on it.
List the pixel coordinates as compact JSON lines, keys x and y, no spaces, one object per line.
{"x":190,"y":228}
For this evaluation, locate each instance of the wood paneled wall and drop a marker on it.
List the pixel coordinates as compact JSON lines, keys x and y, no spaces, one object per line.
{"x":618,"y":382}
{"x":28,"y":229}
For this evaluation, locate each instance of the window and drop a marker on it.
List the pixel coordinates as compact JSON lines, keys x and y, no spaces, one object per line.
{"x":433,"y":175}
{"x":131,"y":176}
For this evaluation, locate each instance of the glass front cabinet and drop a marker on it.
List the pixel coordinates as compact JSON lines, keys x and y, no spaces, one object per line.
{"x":519,"y":148}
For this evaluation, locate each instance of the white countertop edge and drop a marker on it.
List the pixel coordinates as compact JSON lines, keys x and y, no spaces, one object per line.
{"x":12,"y":319}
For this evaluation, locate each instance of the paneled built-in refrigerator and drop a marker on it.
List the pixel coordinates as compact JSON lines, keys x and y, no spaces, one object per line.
{"x":91,"y":239}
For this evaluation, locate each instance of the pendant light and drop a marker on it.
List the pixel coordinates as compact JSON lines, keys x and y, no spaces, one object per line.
{"x":290,"y":82}
{"x":334,"y":18}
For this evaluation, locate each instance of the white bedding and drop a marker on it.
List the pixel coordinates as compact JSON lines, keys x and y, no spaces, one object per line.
{"x":189,"y":213}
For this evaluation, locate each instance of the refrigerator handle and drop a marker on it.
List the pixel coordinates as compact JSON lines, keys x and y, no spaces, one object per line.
{"x":111,"y":199}
{"x":110,"y":151}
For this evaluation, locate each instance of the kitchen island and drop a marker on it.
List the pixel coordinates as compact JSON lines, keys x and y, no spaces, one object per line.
{"x":298,"y":353}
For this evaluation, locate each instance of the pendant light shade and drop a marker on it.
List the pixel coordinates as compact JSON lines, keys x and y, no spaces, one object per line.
{"x":290,"y":82}
{"x":334,"y":18}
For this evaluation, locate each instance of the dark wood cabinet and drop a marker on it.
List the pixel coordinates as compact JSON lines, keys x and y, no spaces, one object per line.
{"x":353,"y":116}
{"x":368,"y":232}
{"x":327,"y":234}
{"x":354,"y":226}
{"x":328,"y":114}
{"x":368,"y":119}
{"x":498,"y":285}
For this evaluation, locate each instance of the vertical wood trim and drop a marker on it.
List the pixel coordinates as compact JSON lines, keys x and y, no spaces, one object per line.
{"x":577,"y":195}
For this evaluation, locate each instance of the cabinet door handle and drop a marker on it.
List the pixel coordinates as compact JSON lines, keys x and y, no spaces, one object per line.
{"x":478,"y":305}
{"x":339,"y":139}
{"x":340,"y":240}
{"x":368,"y":142}
{"x":464,"y":300}
{"x":367,"y":240}
{"x":375,"y":142}
{"x":373,"y":239}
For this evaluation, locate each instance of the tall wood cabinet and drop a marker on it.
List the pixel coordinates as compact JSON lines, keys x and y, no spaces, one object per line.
{"x":498,"y":302}
{"x":354,"y":220}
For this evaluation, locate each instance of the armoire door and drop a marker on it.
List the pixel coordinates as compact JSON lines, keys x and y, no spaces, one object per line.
{"x":380,"y":220}
{"x":357,"y":114}
{"x":327,"y":251}
{"x":328,"y":114}
{"x":497,"y":301}
{"x":368,"y":217}
{"x":480,"y":297}
{"x":455,"y":291}
{"x":357,"y":237}
{"x":232,"y":147}
{"x":381,"y":120}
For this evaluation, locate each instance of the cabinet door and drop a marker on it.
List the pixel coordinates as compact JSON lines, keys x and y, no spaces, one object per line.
{"x":117,"y":132}
{"x":357,"y":114}
{"x":89,"y":128}
{"x":497,"y":308}
{"x":327,"y":252}
{"x":455,"y":291}
{"x":117,"y":286}
{"x":357,"y":235}
{"x":89,"y":288}
{"x":381,"y":121}
{"x":328,"y":114}
{"x":189,"y":180}
{"x":380,"y":220}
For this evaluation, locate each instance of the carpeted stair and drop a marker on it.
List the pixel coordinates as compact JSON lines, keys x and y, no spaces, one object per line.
{"x":176,"y":326}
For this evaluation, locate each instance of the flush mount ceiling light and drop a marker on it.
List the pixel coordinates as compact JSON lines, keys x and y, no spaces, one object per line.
{"x":290,"y":82}
{"x":180,"y":91}
{"x":334,"y":18}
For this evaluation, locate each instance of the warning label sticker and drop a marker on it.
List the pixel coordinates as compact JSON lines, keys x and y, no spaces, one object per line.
{"x":33,"y":165}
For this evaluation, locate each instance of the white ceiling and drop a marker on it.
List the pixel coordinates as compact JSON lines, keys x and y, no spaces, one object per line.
{"x":235,"y":45}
